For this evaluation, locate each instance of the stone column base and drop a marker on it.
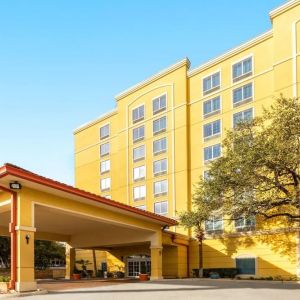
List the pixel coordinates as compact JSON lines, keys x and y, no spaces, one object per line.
{"x":26,"y":286}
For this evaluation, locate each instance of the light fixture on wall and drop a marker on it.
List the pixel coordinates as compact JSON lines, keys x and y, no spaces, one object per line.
{"x":27,"y":237}
{"x":15,"y":185}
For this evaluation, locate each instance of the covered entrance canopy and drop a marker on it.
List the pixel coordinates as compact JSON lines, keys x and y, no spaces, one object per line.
{"x":50,"y":210}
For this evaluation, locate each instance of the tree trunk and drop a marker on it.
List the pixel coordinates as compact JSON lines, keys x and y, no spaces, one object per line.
{"x":94,"y":263}
{"x":200,"y":236}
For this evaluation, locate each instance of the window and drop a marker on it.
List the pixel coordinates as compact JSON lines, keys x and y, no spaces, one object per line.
{"x":138,"y":133}
{"x":105,"y":166}
{"x":160,"y":187}
{"x":245,"y":224}
{"x":139,"y":173}
{"x":160,"y":146}
{"x":212,"y":152}
{"x":104,"y":132}
{"x":206,"y":175}
{"x":139,"y":192}
{"x":212,"y":106}
{"x":242,"y":94}
{"x":161,"y":208}
{"x":159,"y":104}
{"x":243,"y":116}
{"x":212,"y":129}
{"x":104,"y":149}
{"x":139,"y":153}
{"x":211,"y":83}
{"x":245,"y":265}
{"x":160,"y":166}
{"x":105,"y":184}
{"x":138,"y":114}
{"x":142,"y":207}
{"x":159,"y":125}
{"x":242,"y":69}
{"x":214,"y":224}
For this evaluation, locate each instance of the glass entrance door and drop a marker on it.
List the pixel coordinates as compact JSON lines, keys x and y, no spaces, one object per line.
{"x":136,"y":263}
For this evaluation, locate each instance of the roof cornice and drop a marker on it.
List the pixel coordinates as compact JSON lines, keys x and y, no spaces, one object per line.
{"x":284,"y":7}
{"x":154,"y":77}
{"x":232,"y":52}
{"x":95,"y":121}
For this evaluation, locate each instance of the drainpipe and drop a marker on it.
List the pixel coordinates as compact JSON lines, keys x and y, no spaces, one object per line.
{"x":13,"y":237}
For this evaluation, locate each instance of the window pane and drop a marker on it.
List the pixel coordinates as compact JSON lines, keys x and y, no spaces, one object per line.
{"x":216,"y":151}
{"x":216,"y":127}
{"x":247,"y":91}
{"x":207,"y":84}
{"x":247,"y":65}
{"x":237,"y":95}
{"x":207,"y":153}
{"x":216,"y":80}
{"x":237,"y":70}
{"x":207,"y":107}
{"x":216,"y":104}
{"x":207,"y":130}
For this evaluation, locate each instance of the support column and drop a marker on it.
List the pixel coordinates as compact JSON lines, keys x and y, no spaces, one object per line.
{"x":25,"y":259}
{"x":156,"y":256}
{"x":25,"y":232}
{"x":70,"y":261}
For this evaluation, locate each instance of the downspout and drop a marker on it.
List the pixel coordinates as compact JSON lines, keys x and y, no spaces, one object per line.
{"x":13,"y":237}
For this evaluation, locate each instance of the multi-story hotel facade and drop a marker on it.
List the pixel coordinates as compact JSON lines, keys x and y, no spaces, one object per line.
{"x":154,"y":146}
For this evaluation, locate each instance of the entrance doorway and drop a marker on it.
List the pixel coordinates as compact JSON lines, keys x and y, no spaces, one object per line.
{"x":137,"y":263}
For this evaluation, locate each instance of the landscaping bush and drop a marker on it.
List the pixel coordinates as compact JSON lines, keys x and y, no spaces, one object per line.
{"x":4,"y":278}
{"x":223,"y":272}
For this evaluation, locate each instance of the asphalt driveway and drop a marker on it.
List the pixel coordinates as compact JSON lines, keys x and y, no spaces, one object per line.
{"x":181,"y":289}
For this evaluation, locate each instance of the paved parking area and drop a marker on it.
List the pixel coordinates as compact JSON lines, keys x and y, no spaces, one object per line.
{"x":181,"y":289}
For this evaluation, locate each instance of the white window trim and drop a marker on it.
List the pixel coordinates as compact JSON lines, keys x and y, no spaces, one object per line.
{"x":140,"y":198}
{"x":142,"y":207}
{"x":160,"y":110}
{"x":140,"y":138}
{"x":216,"y":135}
{"x":209,"y":160}
{"x":140,"y":178}
{"x":141,"y":158}
{"x":107,"y":171}
{"x":161,"y":151}
{"x":161,"y":130}
{"x":162,"y":172}
{"x":244,"y":101}
{"x":236,"y":80}
{"x":244,"y":109}
{"x":160,"y":202}
{"x":140,"y":119}
{"x":103,"y":125}
{"x":105,"y":189}
{"x":215,"y":89}
{"x":106,"y":154}
{"x":213,"y":230}
{"x":214,"y":113}
{"x":161,"y":193}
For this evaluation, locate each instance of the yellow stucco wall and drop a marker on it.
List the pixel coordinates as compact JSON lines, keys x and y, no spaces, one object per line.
{"x":275,"y":57}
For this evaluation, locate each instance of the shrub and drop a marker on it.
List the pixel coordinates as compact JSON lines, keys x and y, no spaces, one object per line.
{"x":4,"y":278}
{"x":223,"y":272}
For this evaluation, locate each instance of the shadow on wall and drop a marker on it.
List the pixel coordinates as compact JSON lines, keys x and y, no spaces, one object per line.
{"x":275,"y":254}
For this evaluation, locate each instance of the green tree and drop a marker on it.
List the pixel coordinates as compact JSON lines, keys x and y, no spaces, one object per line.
{"x":202,"y":209}
{"x":259,"y":171}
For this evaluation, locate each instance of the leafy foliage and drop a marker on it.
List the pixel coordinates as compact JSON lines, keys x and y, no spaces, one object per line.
{"x":259,"y":172}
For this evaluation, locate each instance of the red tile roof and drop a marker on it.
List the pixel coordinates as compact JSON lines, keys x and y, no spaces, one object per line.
{"x":10,"y":169}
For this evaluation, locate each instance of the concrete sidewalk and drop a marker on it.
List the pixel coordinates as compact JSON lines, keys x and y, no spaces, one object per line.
{"x":182,"y":289}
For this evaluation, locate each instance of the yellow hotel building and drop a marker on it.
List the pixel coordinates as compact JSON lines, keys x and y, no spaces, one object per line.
{"x":152,"y":148}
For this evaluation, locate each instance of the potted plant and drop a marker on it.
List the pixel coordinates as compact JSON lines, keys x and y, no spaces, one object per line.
{"x":84,"y":263}
{"x":4,"y":284}
{"x":143,"y":274}
{"x":76,"y":274}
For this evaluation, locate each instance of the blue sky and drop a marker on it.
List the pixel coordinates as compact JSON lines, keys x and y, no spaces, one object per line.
{"x":62,"y":62}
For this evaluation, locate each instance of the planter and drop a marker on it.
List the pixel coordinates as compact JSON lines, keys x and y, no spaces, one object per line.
{"x":4,"y":287}
{"x":76,"y":276}
{"x":144,"y":277}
